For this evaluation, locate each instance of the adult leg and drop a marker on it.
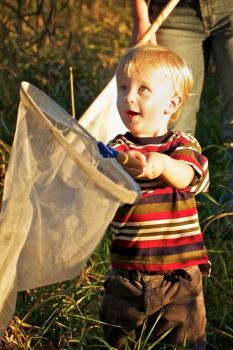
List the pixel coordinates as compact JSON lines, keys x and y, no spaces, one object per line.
{"x":183,"y":33}
{"x":222,"y":48}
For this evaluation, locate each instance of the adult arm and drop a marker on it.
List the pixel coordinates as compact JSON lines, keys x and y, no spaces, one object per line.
{"x":141,"y":21}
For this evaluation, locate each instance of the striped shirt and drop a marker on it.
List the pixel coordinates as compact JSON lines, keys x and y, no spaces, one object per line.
{"x":161,"y":231}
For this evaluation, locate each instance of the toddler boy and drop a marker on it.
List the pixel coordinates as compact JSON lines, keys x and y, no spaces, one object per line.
{"x":157,"y":252}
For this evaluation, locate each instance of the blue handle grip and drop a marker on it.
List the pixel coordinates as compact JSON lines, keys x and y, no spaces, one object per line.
{"x":107,"y":151}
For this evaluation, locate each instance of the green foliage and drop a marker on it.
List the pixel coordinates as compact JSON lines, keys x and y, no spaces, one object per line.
{"x":39,"y":41}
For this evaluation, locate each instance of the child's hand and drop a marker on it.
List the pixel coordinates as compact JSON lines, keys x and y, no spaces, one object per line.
{"x":141,"y":163}
{"x":154,"y":165}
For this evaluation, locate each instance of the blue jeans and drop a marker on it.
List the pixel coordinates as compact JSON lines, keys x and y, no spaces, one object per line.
{"x":193,"y":30}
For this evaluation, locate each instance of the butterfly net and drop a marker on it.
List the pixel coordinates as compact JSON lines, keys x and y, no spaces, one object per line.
{"x":102,"y":118}
{"x":59,"y":197}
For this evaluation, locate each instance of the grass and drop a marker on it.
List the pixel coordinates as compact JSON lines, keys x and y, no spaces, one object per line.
{"x":39,"y":46}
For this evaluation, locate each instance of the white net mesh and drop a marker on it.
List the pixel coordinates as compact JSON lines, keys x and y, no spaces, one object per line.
{"x":59,"y":197}
{"x":102,"y":118}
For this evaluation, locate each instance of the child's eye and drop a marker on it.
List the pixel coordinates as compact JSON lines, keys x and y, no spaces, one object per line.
{"x":122,"y":88}
{"x":143,"y":88}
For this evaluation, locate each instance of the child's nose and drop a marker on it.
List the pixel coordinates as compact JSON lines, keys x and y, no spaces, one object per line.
{"x":131,"y":96}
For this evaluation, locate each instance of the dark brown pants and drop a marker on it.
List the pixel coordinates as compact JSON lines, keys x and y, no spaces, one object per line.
{"x":128,"y":302}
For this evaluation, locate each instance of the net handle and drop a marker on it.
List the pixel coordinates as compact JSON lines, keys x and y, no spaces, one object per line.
{"x":158,"y":21}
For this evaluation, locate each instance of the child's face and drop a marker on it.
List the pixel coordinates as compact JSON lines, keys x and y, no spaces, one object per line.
{"x":143,"y":102}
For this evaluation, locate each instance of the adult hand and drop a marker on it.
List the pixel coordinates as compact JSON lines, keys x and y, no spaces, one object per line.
{"x":138,"y":32}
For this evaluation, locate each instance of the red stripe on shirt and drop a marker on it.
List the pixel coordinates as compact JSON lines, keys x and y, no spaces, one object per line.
{"x":161,"y":266}
{"x":157,"y":242}
{"x":189,"y":160}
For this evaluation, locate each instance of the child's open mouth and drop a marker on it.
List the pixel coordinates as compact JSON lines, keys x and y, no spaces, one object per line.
{"x":132,"y":114}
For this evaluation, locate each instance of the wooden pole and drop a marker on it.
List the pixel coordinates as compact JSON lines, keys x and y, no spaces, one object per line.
{"x":72,"y":91}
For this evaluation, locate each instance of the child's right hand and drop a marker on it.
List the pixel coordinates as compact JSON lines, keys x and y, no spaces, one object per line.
{"x":135,"y":164}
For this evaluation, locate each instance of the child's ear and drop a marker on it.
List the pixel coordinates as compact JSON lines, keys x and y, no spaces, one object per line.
{"x":174,"y":105}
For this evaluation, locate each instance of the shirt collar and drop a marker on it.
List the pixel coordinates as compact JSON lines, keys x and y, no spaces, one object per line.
{"x":148,"y":140}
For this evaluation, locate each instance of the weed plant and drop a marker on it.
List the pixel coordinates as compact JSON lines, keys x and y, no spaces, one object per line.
{"x":39,"y":41}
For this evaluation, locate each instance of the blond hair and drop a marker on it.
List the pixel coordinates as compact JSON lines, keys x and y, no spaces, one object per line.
{"x":147,"y":57}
